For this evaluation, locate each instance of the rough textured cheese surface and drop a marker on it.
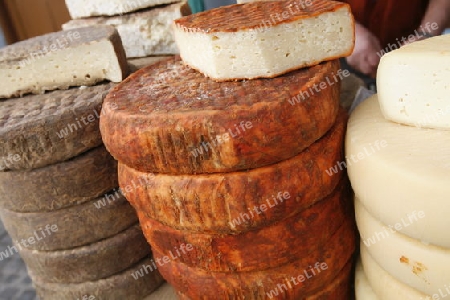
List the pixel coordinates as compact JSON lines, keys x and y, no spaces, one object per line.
{"x":75,"y":226}
{"x":264,"y":39}
{"x":399,"y":170}
{"x":197,"y":283}
{"x":381,"y":283}
{"x":42,"y":130}
{"x":91,"y":262}
{"x":303,"y":233}
{"x":414,"y":84}
{"x":87,"y":8}
{"x":120,"y":286}
{"x":143,"y":33}
{"x":59,"y":60}
{"x":423,"y":267}
{"x":138,"y":63}
{"x":214,"y":203}
{"x":61,"y":185}
{"x":363,"y":289}
{"x":169,"y":118}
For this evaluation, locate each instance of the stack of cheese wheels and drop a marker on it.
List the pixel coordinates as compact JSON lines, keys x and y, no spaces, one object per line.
{"x":398,"y":156}
{"x":232,"y":179}
{"x":143,"y":25}
{"x":59,"y":202}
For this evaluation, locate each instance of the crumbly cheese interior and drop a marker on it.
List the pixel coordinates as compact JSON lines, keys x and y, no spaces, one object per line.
{"x":414,"y":84}
{"x":267,"y":51}
{"x":76,"y":66}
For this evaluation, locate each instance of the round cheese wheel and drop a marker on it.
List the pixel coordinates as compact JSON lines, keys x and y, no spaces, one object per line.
{"x":294,"y":280}
{"x":61,"y":185}
{"x":423,"y":267}
{"x":283,"y":242}
{"x":399,"y":172}
{"x":125,"y":285}
{"x":91,"y":262}
{"x":223,"y":203}
{"x":70,"y":227}
{"x":384,"y":285}
{"x":169,"y":118}
{"x":363,"y":289}
{"x":41,"y":130}
{"x":338,"y":289}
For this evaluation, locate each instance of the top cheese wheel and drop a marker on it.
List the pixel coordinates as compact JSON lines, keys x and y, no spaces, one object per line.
{"x":264,"y":39}
{"x":400,"y":172}
{"x":414,"y":84}
{"x":169,"y":118}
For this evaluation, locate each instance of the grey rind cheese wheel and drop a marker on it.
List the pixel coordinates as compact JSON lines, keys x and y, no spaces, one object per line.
{"x":72,"y":227}
{"x":122,"y":286}
{"x":41,"y":130}
{"x":169,"y":118}
{"x":88,"y":263}
{"x":61,"y":185}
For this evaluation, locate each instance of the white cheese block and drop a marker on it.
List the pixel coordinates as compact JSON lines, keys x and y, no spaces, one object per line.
{"x":399,"y":172}
{"x":264,"y":39}
{"x":423,"y":267}
{"x":79,"y":57}
{"x":383,"y":285}
{"x":143,"y":33}
{"x":88,"y":8}
{"x":363,"y":289}
{"x":414,"y":84}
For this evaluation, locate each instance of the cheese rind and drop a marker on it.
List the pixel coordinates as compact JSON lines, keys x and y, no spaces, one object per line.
{"x":400,"y":171}
{"x":383,"y":284}
{"x":60,"y":185}
{"x":91,"y":262}
{"x":363,"y":289}
{"x":72,"y":226}
{"x":304,"y":233}
{"x":79,"y":57}
{"x":246,"y":41}
{"x":414,"y":84}
{"x":87,"y":8}
{"x":143,"y":33}
{"x":222,"y":203}
{"x":168,"y":118}
{"x":423,"y":267}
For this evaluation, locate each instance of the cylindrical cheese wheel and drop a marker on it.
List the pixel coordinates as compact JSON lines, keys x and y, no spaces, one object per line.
{"x":423,"y":267}
{"x":69,"y":227}
{"x":363,"y":289}
{"x":398,"y":171}
{"x":288,"y":240}
{"x":384,"y":285}
{"x":88,"y":263}
{"x":169,"y":118}
{"x":215,"y":203}
{"x":42,"y":130}
{"x":339,"y":289}
{"x":197,"y":283}
{"x":125,"y":285}
{"x":61,"y":185}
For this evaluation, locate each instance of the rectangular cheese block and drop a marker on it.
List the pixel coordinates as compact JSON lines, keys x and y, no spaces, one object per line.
{"x":414,"y":84}
{"x":88,"y":8}
{"x":143,"y":33}
{"x":79,"y":57}
{"x":264,"y":39}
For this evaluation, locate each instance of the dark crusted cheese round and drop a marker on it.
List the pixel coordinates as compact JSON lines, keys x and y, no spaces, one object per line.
{"x":169,"y":118}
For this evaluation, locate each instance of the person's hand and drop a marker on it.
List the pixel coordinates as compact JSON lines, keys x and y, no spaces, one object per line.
{"x":367,"y":53}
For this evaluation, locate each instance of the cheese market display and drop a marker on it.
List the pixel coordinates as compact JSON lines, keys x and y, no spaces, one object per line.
{"x":398,"y":158}
{"x":231,"y":180}
{"x":59,"y":197}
